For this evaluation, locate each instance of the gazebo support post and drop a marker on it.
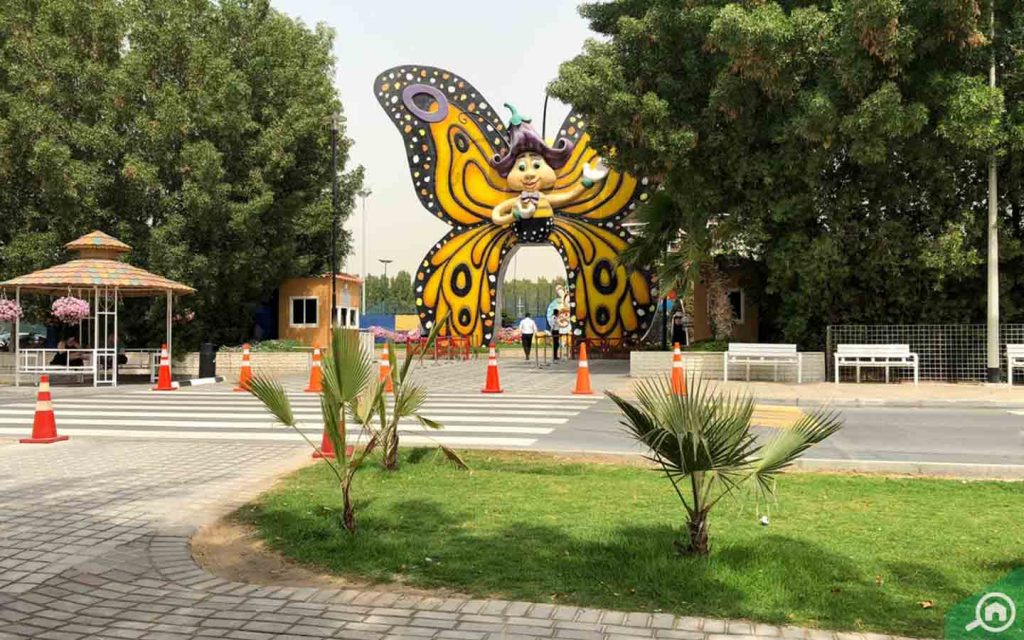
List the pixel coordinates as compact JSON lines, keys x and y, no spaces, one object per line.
{"x":95,"y":338}
{"x":117,"y":338}
{"x":170,"y":308}
{"x":17,"y":342}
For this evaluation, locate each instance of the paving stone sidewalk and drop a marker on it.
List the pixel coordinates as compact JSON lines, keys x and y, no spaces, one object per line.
{"x":94,"y":544}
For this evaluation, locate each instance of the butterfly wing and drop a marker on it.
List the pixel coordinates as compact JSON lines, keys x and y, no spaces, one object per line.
{"x":609,"y":301}
{"x":450,"y":132}
{"x":617,"y":196}
{"x":459,"y":278}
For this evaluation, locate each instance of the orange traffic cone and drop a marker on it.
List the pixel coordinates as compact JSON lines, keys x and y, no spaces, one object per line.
{"x":44,"y":426}
{"x":245,"y":374}
{"x":385,"y":370}
{"x":492,"y":385}
{"x":583,"y":373}
{"x":678,"y":376}
{"x":163,"y":380}
{"x":327,"y":449}
{"x":315,"y":375}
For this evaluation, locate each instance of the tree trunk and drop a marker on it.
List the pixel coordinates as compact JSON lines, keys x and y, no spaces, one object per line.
{"x":348,"y":518}
{"x":390,"y":461}
{"x":697,"y":527}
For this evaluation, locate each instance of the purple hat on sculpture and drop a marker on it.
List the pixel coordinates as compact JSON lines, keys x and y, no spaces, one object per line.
{"x":523,"y":138}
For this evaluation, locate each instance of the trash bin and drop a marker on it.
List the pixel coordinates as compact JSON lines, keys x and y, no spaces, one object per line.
{"x":207,"y":360}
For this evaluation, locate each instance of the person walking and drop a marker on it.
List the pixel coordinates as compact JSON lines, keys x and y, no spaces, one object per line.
{"x":527,"y":327}
{"x":679,"y":328}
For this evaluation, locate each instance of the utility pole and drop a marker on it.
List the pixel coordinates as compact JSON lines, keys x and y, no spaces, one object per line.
{"x":992,"y":333}
{"x":363,"y":193}
{"x":334,"y":217}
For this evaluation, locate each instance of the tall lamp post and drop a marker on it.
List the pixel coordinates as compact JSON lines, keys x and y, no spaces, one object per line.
{"x":385,"y":262}
{"x":992,"y":319}
{"x":334,"y":216}
{"x":363,"y":194}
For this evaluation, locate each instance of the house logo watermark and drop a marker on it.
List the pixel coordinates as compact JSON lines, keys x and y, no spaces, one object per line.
{"x":996,"y":612}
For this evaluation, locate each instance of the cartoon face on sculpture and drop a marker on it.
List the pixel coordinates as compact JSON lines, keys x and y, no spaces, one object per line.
{"x":529,"y":167}
{"x":500,"y":186}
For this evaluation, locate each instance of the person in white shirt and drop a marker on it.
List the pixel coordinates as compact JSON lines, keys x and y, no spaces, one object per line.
{"x":527,"y":327}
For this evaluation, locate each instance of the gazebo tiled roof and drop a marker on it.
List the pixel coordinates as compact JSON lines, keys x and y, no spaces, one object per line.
{"x":98,"y":240}
{"x":94,"y":269}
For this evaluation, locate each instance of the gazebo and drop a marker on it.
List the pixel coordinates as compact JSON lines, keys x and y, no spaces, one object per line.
{"x":99,"y":276}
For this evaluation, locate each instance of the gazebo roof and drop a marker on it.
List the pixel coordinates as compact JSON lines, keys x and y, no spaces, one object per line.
{"x":97,"y":268}
{"x":98,"y":240}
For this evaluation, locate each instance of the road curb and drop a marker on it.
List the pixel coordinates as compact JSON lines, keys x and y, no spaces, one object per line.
{"x":196,"y":382}
{"x":915,"y":468}
{"x":891,"y":404}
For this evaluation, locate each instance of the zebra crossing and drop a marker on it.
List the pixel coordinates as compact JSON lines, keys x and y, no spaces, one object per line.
{"x":220,"y":414}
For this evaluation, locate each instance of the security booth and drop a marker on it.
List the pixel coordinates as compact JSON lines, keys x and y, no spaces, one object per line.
{"x":88,"y":291}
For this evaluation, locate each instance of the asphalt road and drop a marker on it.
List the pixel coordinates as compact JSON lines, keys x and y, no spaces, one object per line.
{"x":973,"y":436}
{"x":979,"y":436}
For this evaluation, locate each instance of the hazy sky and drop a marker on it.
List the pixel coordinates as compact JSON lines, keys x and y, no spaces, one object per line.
{"x":508,"y":50}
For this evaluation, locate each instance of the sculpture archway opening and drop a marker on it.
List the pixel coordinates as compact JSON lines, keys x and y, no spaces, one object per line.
{"x":527,"y":282}
{"x":501,"y":186}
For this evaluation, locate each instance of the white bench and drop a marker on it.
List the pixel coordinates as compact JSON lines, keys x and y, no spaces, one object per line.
{"x":1014,"y":360}
{"x":749,"y":353}
{"x":887,"y":356}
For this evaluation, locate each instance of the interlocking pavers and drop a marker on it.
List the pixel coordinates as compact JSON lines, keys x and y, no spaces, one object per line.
{"x":104,"y":554}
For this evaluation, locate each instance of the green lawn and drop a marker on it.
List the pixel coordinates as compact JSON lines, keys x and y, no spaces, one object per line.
{"x":842,"y":552}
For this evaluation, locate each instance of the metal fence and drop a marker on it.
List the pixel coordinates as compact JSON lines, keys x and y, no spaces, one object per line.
{"x":946,"y":352}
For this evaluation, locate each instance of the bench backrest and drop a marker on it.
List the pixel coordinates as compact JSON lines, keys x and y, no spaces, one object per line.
{"x":759,"y":349}
{"x":873,"y":350}
{"x":1015,"y":351}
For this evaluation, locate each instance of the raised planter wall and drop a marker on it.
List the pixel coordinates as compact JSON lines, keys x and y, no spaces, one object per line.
{"x":279,"y":363}
{"x":708,"y":364}
{"x":272,"y":363}
{"x":6,"y":368}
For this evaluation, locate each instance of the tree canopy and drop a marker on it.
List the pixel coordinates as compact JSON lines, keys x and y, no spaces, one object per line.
{"x":842,"y":145}
{"x":197,"y":131}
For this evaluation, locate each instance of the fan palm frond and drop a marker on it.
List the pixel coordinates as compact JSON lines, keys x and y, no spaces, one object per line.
{"x":273,"y":396}
{"x":704,"y":440}
{"x":788,"y":444}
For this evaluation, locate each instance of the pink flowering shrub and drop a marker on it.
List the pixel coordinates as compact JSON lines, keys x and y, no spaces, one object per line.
{"x":70,"y":310}
{"x":508,"y":335}
{"x":9,"y":310}
{"x":398,"y":337}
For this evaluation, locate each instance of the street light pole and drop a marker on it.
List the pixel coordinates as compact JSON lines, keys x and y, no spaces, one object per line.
{"x":363,"y":193}
{"x":385,"y":262}
{"x":334,"y":217}
{"x":992,"y":333}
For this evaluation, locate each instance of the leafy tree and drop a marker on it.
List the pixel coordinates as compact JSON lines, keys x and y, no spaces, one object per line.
{"x":198,"y":132}
{"x":401,"y":292}
{"x":843,"y":145}
{"x":528,"y":296}
{"x":391,"y":295}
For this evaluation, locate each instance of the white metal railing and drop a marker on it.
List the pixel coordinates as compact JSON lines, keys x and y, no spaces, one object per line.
{"x":142,"y":359}
{"x":80,"y":362}
{"x":99,"y":364}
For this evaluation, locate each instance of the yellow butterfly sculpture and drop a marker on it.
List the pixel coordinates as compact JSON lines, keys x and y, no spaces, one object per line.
{"x":501,"y":187}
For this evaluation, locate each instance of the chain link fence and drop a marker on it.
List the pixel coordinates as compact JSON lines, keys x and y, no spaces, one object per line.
{"x":946,"y":352}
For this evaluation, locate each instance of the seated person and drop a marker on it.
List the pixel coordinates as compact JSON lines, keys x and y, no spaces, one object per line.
{"x":63,"y":357}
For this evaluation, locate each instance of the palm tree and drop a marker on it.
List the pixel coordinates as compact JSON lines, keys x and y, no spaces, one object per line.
{"x":349,"y":390}
{"x":704,"y":445}
{"x":352,"y":391}
{"x":409,"y":398}
{"x":682,"y":242}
